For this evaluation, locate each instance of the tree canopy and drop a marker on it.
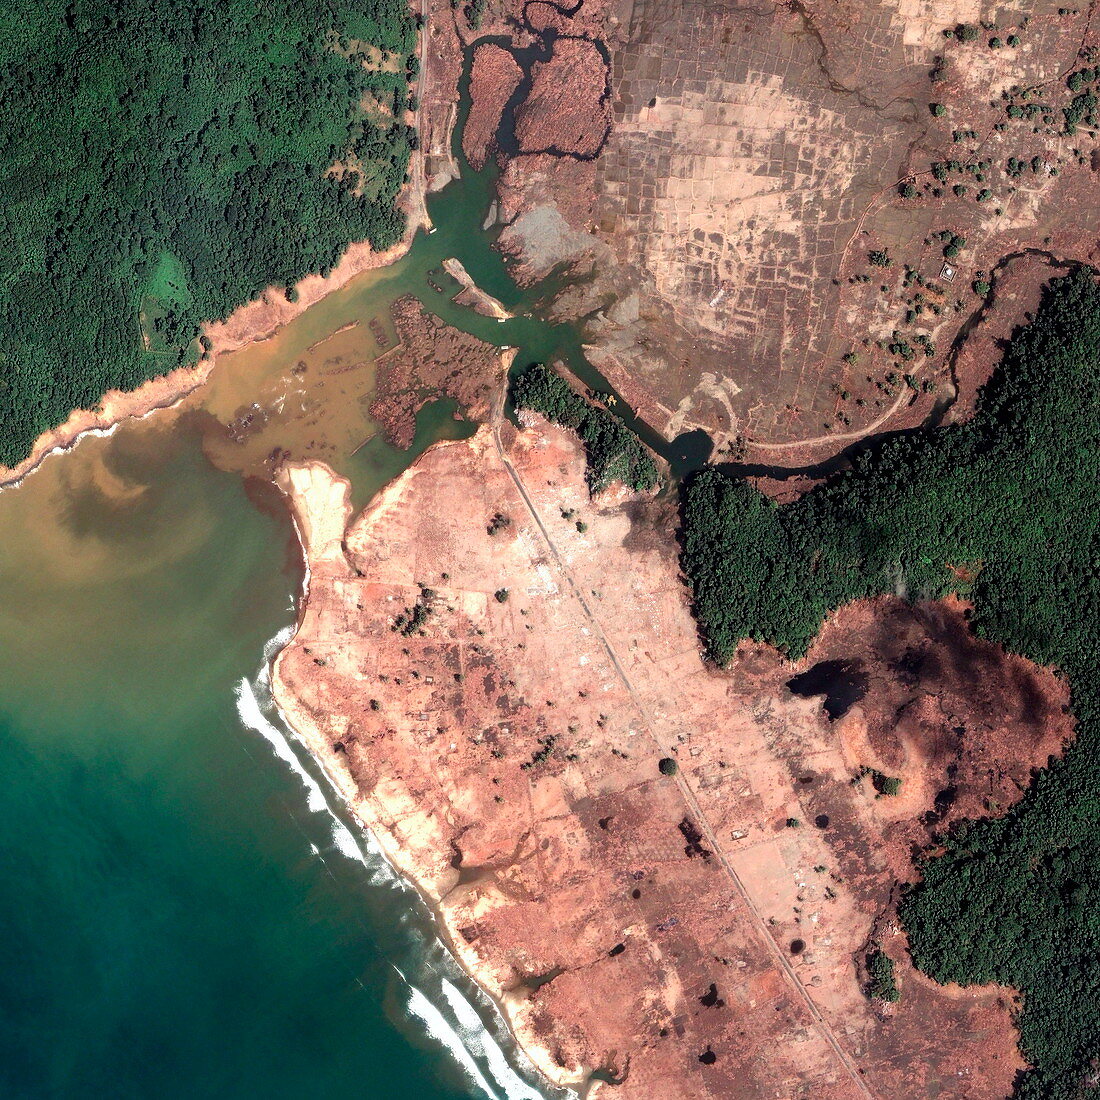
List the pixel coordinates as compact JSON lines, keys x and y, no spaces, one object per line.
{"x":1005,"y":510}
{"x":612,"y":451}
{"x":161,"y":161}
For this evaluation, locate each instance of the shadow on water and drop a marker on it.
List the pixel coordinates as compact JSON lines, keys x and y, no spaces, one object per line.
{"x":842,"y":683}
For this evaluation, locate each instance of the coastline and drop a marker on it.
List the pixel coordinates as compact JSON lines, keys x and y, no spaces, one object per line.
{"x":582,"y":1089}
{"x":250,"y":323}
{"x":320,"y":528}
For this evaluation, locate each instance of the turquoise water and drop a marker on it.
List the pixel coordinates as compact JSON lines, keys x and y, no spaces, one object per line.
{"x":182,"y":913}
{"x":175,"y":920}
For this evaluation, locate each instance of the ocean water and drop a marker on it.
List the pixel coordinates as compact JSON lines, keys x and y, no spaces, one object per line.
{"x":184,"y":910}
{"x":182,"y":913}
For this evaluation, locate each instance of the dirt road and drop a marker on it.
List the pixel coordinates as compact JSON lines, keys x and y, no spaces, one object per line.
{"x":666,"y":749}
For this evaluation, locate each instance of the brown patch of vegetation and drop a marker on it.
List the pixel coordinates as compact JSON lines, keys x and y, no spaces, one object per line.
{"x":493,"y":78}
{"x":431,"y":360}
{"x":568,"y":109}
{"x":959,"y":720}
{"x":962,"y":725}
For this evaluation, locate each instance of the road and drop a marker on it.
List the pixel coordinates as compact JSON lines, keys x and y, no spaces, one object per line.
{"x":841,"y":437}
{"x":664,"y":749}
{"x":418,"y":188}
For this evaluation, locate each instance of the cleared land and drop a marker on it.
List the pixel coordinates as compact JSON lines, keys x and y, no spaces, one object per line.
{"x":757,"y":157}
{"x":504,"y":739}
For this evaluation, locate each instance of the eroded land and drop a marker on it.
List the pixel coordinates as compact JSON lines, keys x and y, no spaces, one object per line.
{"x":721,"y":174}
{"x":492,"y":665}
{"x":794,"y":227}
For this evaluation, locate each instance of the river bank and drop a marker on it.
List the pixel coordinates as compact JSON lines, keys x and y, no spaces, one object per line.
{"x":251,"y":323}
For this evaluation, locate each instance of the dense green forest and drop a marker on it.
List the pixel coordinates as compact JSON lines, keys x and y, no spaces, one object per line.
{"x":1004,"y":510}
{"x":161,"y":161}
{"x":612,"y":451}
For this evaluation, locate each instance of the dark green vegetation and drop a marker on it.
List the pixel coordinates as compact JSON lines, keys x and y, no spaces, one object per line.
{"x":667,"y":766}
{"x":1010,"y":501}
{"x":499,"y":522}
{"x":886,"y":784}
{"x":412,"y":619}
{"x":954,"y":243}
{"x":163,"y":161}
{"x":613,"y":452}
{"x":880,"y":975}
{"x":542,"y":754}
{"x":883,"y":784}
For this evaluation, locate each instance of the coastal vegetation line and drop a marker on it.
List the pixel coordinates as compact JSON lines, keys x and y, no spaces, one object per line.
{"x":165,"y":162}
{"x":1002,"y":510}
{"x":612,"y":451}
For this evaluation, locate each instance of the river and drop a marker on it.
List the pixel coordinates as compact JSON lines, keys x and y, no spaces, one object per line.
{"x":186,"y":912}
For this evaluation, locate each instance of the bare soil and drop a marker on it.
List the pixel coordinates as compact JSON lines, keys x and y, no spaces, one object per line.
{"x":754,"y":162}
{"x":504,"y":744}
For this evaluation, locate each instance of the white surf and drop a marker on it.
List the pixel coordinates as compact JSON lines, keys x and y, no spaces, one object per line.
{"x":467,"y":1037}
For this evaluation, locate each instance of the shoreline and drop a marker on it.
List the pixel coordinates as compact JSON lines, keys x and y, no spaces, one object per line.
{"x":480,"y":300}
{"x":582,"y":1090}
{"x":250,"y":323}
{"x":367,"y":815}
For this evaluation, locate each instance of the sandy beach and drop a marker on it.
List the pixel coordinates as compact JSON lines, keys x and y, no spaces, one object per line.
{"x":411,"y":838}
{"x":256,"y":320}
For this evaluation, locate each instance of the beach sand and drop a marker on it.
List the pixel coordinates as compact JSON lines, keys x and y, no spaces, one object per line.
{"x":256,"y":320}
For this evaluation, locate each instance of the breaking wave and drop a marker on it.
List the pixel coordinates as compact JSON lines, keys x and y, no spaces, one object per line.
{"x":439,"y":1028}
{"x":446,"y":1012}
{"x":474,"y":1030}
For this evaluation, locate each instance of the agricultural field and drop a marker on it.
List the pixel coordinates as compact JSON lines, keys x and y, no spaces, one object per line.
{"x":764,"y":231}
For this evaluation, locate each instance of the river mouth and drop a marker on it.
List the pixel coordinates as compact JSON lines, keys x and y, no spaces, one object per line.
{"x":294,"y":396}
{"x":186,"y":920}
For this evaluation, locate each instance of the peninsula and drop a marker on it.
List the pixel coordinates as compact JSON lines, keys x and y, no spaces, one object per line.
{"x":688,"y":418}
